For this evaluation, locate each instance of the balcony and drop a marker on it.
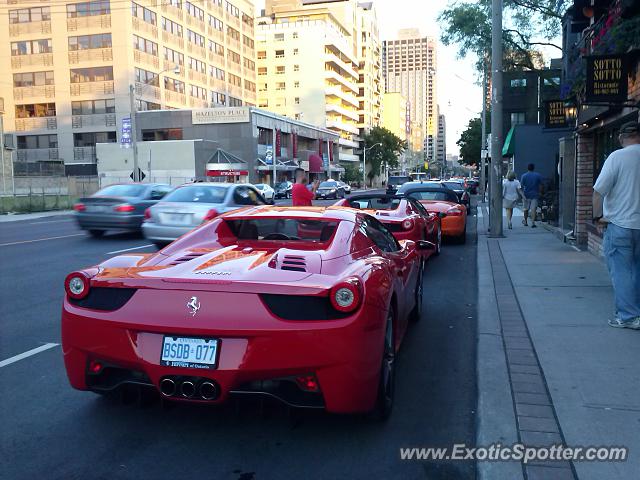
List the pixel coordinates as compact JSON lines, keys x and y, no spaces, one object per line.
{"x":235,"y":91}
{"x":30,"y":28}
{"x":198,"y":102}
{"x":234,"y":68}
{"x":33,"y":60}
{"x":36,"y":154}
{"x":148,"y":91}
{"x":90,"y":22}
{"x":92,"y":55}
{"x":174,"y":97}
{"x":144,"y":27}
{"x":167,"y":65}
{"x":234,"y":44}
{"x":173,"y":40}
{"x":84,"y":154}
{"x":42,"y":91}
{"x":196,"y":50}
{"x":248,"y":51}
{"x":216,"y":57}
{"x":217,"y":84}
{"x":198,"y":76}
{"x":215,"y":9}
{"x":337,"y":92}
{"x":196,"y":23}
{"x":173,"y":11}
{"x":94,"y":120}
{"x":249,"y":73}
{"x":231,"y":20}
{"x":146,"y":59}
{"x":91,"y":88}
{"x":334,"y":77}
{"x":333,"y":58}
{"x":36,"y":123}
{"x":342,"y":126}
{"x":215,"y":35}
{"x":339,"y":109}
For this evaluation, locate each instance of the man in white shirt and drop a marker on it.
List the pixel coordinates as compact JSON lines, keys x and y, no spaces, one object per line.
{"x":619,"y":185}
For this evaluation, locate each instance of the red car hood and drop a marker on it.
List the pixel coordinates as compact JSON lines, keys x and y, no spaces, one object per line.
{"x":437,"y":205}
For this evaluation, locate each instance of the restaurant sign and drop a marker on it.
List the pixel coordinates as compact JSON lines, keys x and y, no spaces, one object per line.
{"x":201,"y":116}
{"x":555,"y":114}
{"x":226,"y":173}
{"x":606,"y":79}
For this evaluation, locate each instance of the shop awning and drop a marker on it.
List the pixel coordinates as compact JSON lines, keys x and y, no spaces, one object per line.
{"x":226,"y":158}
{"x":315,"y":164}
{"x":225,"y":164}
{"x":509,"y":147}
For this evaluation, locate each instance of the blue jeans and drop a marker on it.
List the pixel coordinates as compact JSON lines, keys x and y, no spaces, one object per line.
{"x":622,"y":252}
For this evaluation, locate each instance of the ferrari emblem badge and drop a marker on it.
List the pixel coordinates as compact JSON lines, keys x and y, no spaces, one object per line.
{"x":193,"y":305}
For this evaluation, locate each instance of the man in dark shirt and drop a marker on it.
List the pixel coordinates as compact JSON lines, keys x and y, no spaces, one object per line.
{"x":301,"y":196}
{"x":531,"y":188}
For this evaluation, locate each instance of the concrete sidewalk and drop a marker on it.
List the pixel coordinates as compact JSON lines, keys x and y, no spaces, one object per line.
{"x":16,"y":217}
{"x":550,"y":368}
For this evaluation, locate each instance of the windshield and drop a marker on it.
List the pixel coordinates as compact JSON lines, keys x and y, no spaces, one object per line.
{"x":398,"y":180}
{"x":454,"y":185}
{"x":431,"y":195}
{"x":197,"y":193}
{"x":282,"y":185}
{"x":328,"y":185}
{"x":407,"y":187}
{"x":375,"y":203}
{"x":265,"y":229}
{"x":260,"y":185}
{"x":121,"y":191}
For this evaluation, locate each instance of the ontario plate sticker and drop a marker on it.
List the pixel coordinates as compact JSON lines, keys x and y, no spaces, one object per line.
{"x":189,"y":352}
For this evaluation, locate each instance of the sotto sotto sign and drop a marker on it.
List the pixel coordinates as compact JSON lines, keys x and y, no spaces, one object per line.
{"x":200,"y":116}
{"x":555,"y":114}
{"x":606,"y":79}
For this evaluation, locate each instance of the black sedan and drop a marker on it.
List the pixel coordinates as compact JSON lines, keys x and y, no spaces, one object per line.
{"x":330,"y":189}
{"x":118,"y":207}
{"x":462,"y":193}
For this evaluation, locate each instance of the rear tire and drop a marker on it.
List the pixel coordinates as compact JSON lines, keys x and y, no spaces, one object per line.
{"x":96,"y":233}
{"x":386,"y":383}
{"x":416,"y":313}
{"x":438,"y":243}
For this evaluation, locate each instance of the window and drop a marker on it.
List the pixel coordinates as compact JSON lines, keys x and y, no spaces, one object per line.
{"x":29,"y":47}
{"x":173,"y":85}
{"x":280,"y":70}
{"x":280,"y":86}
{"x":37,"y":141}
{"x":195,"y":38}
{"x":147,"y":77}
{"x":216,"y":72}
{"x":144,"y":105}
{"x":296,"y":100}
{"x":233,"y":10}
{"x":216,"y":23}
{"x":235,"y":80}
{"x":143,"y":13}
{"x":216,"y":48}
{"x":296,"y":68}
{"x":295,"y":34}
{"x":161,"y":135}
{"x":264,"y":104}
{"x":297,"y":116}
{"x":295,"y":51}
{"x":233,"y":33}
{"x":262,"y":70}
{"x":247,"y":20}
{"x":197,"y":65}
{"x":32,"y":110}
{"x":296,"y":84}
{"x":248,"y":85}
{"x":194,"y":11}
{"x":552,"y":82}
{"x":198,"y":92}
{"x":144,"y":45}
{"x":89,"y":139}
{"x":518,"y":82}
{"x":218,"y":98}
{"x":171,"y":27}
{"x":88,"y":42}
{"x":86,"y":9}
{"x":379,"y":234}
{"x":93,"y":74}
{"x":174,"y":3}
{"x":33,"y":14}
{"x":32,"y":79}
{"x":279,"y":53}
{"x":250,"y":64}
{"x":173,"y":56}
{"x":262,"y":54}
{"x":248,"y":42}
{"x":279,"y":37}
{"x":235,"y":102}
{"x":90,"y":107}
{"x":517,"y":118}
{"x":263,"y":87}
{"x":233,"y":56}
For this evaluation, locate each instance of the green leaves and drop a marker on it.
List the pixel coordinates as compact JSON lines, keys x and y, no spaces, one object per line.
{"x":389,"y":148}
{"x":470,"y":141}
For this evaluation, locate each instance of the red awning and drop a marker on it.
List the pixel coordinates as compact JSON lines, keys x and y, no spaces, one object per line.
{"x":226,"y":173}
{"x":315,"y":164}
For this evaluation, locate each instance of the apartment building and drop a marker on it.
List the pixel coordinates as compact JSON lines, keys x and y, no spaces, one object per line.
{"x":395,"y":114}
{"x":72,"y":64}
{"x":409,"y":66}
{"x":317,"y":63}
{"x":441,"y":139}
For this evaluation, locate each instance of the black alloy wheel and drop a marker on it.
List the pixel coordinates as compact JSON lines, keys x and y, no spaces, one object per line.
{"x":386,"y":386}
{"x":416,"y":313}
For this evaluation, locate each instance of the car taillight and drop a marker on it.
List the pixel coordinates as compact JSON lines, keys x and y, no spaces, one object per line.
{"x":77,"y":285}
{"x":147,"y":215}
{"x":79,"y":207}
{"x":407,"y":224}
{"x":454,"y":212}
{"x":125,"y":208}
{"x":211,"y":214}
{"x":346,"y":295}
{"x":308,"y":383}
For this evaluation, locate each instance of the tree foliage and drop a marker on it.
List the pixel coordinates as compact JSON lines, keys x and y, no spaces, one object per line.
{"x":527,"y":26}
{"x":351,"y":173}
{"x":391,"y":146}
{"x":470,"y":141}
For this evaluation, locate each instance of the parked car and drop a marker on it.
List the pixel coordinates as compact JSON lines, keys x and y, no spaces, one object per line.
{"x":462,"y":193}
{"x":330,"y":189}
{"x":443,"y":201}
{"x":345,"y":186}
{"x":472,"y":185}
{"x":118,"y":207}
{"x":326,"y":296}
{"x":266,"y":191}
{"x":193,"y":204}
{"x":405,"y":217}
{"x":283,"y":189}
{"x":395,"y":182}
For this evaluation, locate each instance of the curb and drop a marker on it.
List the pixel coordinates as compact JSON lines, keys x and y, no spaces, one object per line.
{"x":16,"y":217}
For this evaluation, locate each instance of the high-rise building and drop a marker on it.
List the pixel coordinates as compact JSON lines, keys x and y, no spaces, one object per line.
{"x":318,"y":61}
{"x":409,"y":66}
{"x":441,"y":141}
{"x":394,"y":114}
{"x":72,"y":63}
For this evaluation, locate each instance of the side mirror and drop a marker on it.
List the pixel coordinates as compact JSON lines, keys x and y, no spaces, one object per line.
{"x":426,"y":245}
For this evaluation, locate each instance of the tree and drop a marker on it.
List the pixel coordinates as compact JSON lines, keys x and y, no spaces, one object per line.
{"x":528,"y":25}
{"x":470,"y":141}
{"x":390,"y":148}
{"x":351,"y":173}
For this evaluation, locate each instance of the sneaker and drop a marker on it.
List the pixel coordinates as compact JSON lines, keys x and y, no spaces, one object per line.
{"x":534,"y":226}
{"x":617,"y":323}
{"x":634,"y":324}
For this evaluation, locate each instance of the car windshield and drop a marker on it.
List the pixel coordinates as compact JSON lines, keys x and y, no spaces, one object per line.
{"x":328,"y":185}
{"x":454,"y":185}
{"x":380,"y":203}
{"x":121,"y":191}
{"x":409,"y":186}
{"x":260,"y":185}
{"x":197,"y":193}
{"x":398,"y":180}
{"x":282,"y":185}
{"x":266,"y":229}
{"x":429,"y":195}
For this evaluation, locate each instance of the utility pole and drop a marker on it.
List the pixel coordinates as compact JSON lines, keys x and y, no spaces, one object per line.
{"x":364,"y":167}
{"x":495,"y":173}
{"x":134,"y":133}
{"x":483,"y":138}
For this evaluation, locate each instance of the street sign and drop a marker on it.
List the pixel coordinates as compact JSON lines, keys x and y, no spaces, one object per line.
{"x":125,"y":133}
{"x":141,"y":175}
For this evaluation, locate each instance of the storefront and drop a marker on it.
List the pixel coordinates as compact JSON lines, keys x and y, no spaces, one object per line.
{"x":226,"y":167}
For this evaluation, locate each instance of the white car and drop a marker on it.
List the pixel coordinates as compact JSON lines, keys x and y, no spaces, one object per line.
{"x":267,"y":192}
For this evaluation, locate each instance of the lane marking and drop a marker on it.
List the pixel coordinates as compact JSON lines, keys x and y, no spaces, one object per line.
{"x":41,"y":239}
{"x":129,"y":249}
{"x":27,"y":354}
{"x":47,"y":222}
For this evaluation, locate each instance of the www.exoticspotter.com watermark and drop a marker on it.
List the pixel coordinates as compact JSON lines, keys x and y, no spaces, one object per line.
{"x":518,"y":453}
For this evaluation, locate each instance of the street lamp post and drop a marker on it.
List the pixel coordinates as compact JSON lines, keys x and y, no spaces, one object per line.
{"x":364,"y":162}
{"x":134,"y":131}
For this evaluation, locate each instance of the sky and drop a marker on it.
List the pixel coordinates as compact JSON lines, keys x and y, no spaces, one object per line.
{"x":459,"y":94}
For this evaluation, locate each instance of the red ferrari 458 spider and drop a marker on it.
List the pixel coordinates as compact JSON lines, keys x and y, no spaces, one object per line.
{"x":307,"y":305}
{"x":404,"y":217}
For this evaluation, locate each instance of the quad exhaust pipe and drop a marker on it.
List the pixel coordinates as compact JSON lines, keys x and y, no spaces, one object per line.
{"x":203,"y":389}
{"x":208,"y":391}
{"x":167,"y":387}
{"x":187,"y":389}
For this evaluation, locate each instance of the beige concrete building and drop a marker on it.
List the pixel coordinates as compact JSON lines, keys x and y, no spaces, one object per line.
{"x":394,"y":114}
{"x":66,"y":85}
{"x":319,"y":62}
{"x":409,"y":66}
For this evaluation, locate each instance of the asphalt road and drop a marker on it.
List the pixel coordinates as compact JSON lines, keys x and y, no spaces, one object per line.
{"x":48,"y":430}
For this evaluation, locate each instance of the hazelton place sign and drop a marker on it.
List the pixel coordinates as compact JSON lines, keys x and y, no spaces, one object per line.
{"x":201,"y":116}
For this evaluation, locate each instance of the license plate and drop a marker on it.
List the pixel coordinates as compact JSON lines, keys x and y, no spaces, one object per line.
{"x":96,"y":208}
{"x":189,"y":352}
{"x":175,"y":218}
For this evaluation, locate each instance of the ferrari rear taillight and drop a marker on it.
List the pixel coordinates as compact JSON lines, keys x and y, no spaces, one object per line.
{"x":454,"y":212}
{"x":95,"y":367}
{"x":407,"y":224}
{"x":79,"y":207}
{"x":77,"y":285}
{"x":124,"y":208}
{"x":211,"y":214}
{"x":346,"y":295}
{"x":308,"y":383}
{"x":147,"y":215}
